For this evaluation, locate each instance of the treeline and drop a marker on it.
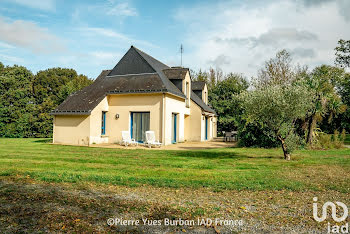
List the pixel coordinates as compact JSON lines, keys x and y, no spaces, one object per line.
{"x":27,"y":99}
{"x":328,"y":110}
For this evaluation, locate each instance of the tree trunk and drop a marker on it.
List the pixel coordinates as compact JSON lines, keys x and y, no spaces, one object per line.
{"x":285,"y":150}
{"x":312,"y":125}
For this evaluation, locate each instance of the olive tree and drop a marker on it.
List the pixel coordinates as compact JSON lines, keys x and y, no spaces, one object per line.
{"x":276,"y":108}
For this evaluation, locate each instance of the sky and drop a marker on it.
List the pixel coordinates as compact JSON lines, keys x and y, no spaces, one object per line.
{"x":235,"y":36}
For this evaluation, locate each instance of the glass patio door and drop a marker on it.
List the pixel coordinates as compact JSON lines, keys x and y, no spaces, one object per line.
{"x":140,"y":122}
{"x":174,"y":128}
{"x":206,"y":128}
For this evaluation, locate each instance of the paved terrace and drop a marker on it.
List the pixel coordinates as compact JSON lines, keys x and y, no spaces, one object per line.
{"x":216,"y":143}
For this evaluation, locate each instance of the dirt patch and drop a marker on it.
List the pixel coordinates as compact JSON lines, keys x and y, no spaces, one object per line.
{"x":30,"y":206}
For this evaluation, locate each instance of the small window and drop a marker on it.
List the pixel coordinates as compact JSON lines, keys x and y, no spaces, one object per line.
{"x":103,"y":128}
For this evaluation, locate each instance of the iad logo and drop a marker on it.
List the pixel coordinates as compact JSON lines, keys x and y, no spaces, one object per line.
{"x":335,"y":228}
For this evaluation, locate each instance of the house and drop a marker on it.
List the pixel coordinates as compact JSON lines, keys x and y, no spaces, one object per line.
{"x":140,"y":93}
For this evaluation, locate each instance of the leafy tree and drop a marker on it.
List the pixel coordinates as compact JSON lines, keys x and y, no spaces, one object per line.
{"x":279,"y":99}
{"x":275,"y":108}
{"x":51,"y":87}
{"x":16,"y":102}
{"x":344,"y":90}
{"x":323,"y":80}
{"x":223,"y":98}
{"x":277,"y":71}
{"x":26,"y":100}
{"x":212,"y":77}
{"x":201,"y":76}
{"x":343,"y":53}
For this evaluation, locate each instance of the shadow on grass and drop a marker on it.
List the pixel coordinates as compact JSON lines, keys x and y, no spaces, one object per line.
{"x":211,"y":154}
{"x":47,"y":140}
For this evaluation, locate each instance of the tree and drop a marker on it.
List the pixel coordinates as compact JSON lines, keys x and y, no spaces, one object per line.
{"x":278,"y":100}
{"x":26,"y":99}
{"x":51,"y":87}
{"x":344,"y":90}
{"x":323,"y":80}
{"x":277,"y":71}
{"x":276,"y":108}
{"x":201,"y":76}
{"x":212,"y":78}
{"x":343,"y":53}
{"x":16,"y":102}
{"x":223,"y":98}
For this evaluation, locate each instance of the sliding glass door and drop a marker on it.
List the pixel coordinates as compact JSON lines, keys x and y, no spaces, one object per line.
{"x":174,"y":128}
{"x":139,"y":125}
{"x":206,"y":128}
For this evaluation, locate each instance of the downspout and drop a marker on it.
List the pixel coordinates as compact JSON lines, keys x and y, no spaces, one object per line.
{"x":163,"y":120}
{"x":53,"y":129}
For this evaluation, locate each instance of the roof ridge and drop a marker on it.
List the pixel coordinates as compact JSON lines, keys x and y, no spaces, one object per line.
{"x":142,"y":52}
{"x":158,"y":67}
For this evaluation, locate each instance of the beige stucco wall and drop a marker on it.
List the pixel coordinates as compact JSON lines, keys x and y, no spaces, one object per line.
{"x":193,"y":123}
{"x":71,"y":129}
{"x":96,"y":123}
{"x":85,"y":130}
{"x":205,"y":94}
{"x":176,"y":105}
{"x":124,"y":105}
{"x":188,"y":81}
{"x":215,"y":127}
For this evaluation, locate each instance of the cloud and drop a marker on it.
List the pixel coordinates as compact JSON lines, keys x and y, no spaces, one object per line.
{"x":277,"y":35}
{"x":303,"y":53}
{"x":26,"y":34}
{"x":45,"y":5}
{"x":111,"y":34}
{"x":274,"y":37}
{"x":220,"y":60}
{"x":102,"y":58}
{"x":118,"y":8}
{"x":343,"y":5}
{"x":6,"y":46}
{"x":241,"y":36}
{"x":11,"y":59}
{"x":311,"y":3}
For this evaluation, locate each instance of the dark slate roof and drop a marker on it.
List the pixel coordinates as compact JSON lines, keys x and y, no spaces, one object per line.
{"x":131,"y":63}
{"x":176,"y":73}
{"x":83,"y":101}
{"x":197,"y":85}
{"x":159,"y":67}
{"x":136,"y":72}
{"x":201,"y":104}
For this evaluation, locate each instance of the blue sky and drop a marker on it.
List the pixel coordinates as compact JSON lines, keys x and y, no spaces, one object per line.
{"x":236,"y":36}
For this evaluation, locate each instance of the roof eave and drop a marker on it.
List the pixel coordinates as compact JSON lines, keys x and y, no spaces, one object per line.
{"x":70,"y":112}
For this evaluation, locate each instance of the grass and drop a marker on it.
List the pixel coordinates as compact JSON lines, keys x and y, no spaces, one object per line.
{"x":347,"y":140}
{"x":218,"y":169}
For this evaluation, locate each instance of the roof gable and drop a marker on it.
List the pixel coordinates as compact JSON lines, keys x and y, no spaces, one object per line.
{"x":176,"y":73}
{"x":136,"y":72}
{"x":132,"y":63}
{"x":197,"y":85}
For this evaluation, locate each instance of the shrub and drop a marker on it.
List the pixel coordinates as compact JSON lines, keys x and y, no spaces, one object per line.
{"x":253,"y":136}
{"x":329,"y":141}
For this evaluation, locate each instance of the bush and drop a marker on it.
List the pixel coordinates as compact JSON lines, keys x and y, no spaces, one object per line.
{"x":293,"y":141}
{"x":253,"y":136}
{"x":329,"y":141}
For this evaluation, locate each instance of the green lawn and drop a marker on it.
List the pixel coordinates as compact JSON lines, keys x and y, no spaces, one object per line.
{"x":347,"y":140}
{"x":228,"y":168}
